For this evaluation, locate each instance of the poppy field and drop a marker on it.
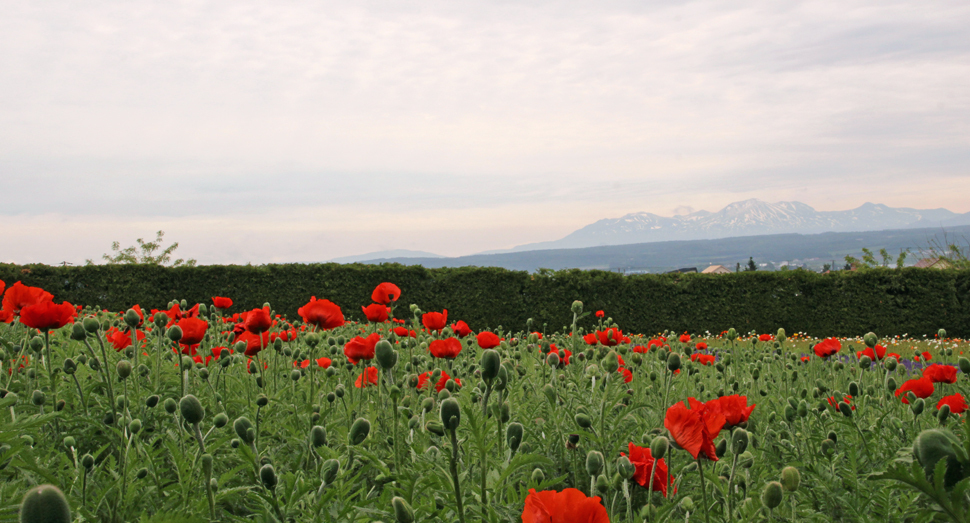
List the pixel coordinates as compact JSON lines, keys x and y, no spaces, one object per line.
{"x":201,"y":412}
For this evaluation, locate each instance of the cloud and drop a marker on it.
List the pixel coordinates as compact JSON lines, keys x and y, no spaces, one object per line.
{"x":548,"y":115}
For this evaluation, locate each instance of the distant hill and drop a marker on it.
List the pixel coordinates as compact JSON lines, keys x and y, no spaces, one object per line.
{"x":813,"y":249}
{"x":396,"y":253}
{"x":747,"y":218}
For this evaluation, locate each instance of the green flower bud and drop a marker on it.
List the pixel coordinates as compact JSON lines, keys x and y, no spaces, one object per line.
{"x":964,"y":365}
{"x":625,"y":468}
{"x":918,"y":406}
{"x":45,"y":504}
{"x":70,"y":442}
{"x":771,"y":496}
{"x":732,"y":334}
{"x":174,"y":333}
{"x":262,"y":400}
{"x":721,"y":448}
{"x":329,"y":471}
{"x":220,"y":420}
{"x":594,"y":462}
{"x":781,"y":336}
{"x":853,"y":389}
{"x":244,"y":429}
{"x":359,"y":431}
{"x":673,"y":362}
{"x":491,"y":361}
{"x":552,"y":359}
{"x":828,"y":447}
{"x":577,"y":307}
{"x":69,"y":366}
{"x":191,"y":409}
{"x":941,"y":333}
{"x":267,"y":474}
{"x":583,"y":420}
{"x":318,"y":436}
{"x":659,"y":446}
{"x":87,"y":461}
{"x":403,"y":512}
{"x":538,"y":476}
{"x":891,"y":384}
{"x":36,"y":344}
{"x":865,"y":362}
{"x":790,"y":478}
{"x":602,"y":484}
{"x":845,"y":409}
{"x":943,"y":413}
{"x":385,"y":355}
{"x":870,"y":339}
{"x":513,"y":435}
{"x":170,"y":405}
{"x":77,"y":332}
{"x":134,"y":426}
{"x":435,"y":427}
{"x":38,"y":398}
{"x":935,"y":444}
{"x":550,"y":394}
{"x":610,"y":362}
{"x":450,"y":413}
{"x":132,"y":319}
{"x":124,"y":369}
{"x":91,"y":324}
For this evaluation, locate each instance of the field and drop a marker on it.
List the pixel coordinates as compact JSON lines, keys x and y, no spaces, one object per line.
{"x":201,"y":412}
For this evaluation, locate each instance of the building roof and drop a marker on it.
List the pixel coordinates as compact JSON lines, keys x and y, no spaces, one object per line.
{"x":935,"y":263}
{"x":716,"y":269}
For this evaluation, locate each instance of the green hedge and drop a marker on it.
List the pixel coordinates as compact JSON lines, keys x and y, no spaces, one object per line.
{"x":888,"y":302}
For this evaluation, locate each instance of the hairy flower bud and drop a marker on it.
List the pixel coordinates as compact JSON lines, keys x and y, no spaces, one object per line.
{"x":45,"y":504}
{"x":491,"y":362}
{"x":244,"y":429}
{"x":359,"y":431}
{"x":659,"y":446}
{"x":403,"y":512}
{"x":450,"y":413}
{"x":267,"y":474}
{"x":625,"y":468}
{"x":513,"y":435}
{"x":191,"y":409}
{"x":771,"y":496}
{"x":318,"y":436}
{"x":594,"y":462}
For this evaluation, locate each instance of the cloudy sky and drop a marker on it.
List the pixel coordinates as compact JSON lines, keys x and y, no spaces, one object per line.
{"x":302,"y":131}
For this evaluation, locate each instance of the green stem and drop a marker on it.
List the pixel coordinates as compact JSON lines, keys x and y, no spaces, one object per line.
{"x":454,"y":475}
{"x":707,"y":508}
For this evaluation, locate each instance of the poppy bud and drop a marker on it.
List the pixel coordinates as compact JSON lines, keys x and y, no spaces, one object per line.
{"x":38,"y":398}
{"x":132,"y":319}
{"x":772,"y":494}
{"x":45,"y":504}
{"x":70,"y":441}
{"x":918,"y":406}
{"x":577,"y":307}
{"x":359,"y":431}
{"x":625,"y":468}
{"x":267,"y":474}
{"x":59,"y":406}
{"x":552,"y":359}
{"x":890,"y":364}
{"x":845,"y":409}
{"x":673,"y":362}
{"x":781,"y":336}
{"x":220,"y":420}
{"x":602,"y":484}
{"x":87,"y":461}
{"x":964,"y":364}
{"x":69,"y":366}
{"x":513,"y":435}
{"x":329,"y":470}
{"x":935,"y":444}
{"x":277,"y":344}
{"x":124,"y":369}
{"x":78,"y":333}
{"x":36,"y":344}
{"x":870,"y":339}
{"x":721,"y":448}
{"x":295,"y":374}
{"x":435,"y":427}
{"x":550,"y":394}
{"x":91,"y":324}
{"x":583,"y":420}
{"x":450,"y":413}
{"x":594,"y":462}
{"x":790,"y":413}
{"x":403,"y":512}
{"x":191,"y":409}
{"x":943,"y":413}
{"x":503,"y":378}
{"x":538,"y":476}
{"x":853,"y":389}
{"x":244,"y":429}
{"x":134,"y":426}
{"x":262,"y":400}
{"x":174,"y":333}
{"x":790,"y":478}
{"x":610,"y":363}
{"x":170,"y":405}
{"x":828,"y":447}
{"x":941,"y":333}
{"x":318,"y":436}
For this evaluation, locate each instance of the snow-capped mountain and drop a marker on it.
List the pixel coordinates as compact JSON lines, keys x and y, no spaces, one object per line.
{"x":748,"y":218}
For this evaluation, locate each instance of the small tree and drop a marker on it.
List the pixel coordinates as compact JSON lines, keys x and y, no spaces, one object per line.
{"x":751,"y":265}
{"x":147,"y":255}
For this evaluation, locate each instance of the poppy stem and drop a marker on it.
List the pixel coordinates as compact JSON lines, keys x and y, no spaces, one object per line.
{"x":454,"y":474}
{"x":653,"y":470}
{"x":707,"y":508}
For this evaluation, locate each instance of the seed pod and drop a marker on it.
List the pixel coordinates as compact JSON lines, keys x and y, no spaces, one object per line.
{"x":267,"y":474}
{"x":318,"y":436}
{"x":403,"y":512}
{"x":359,"y":431}
{"x":124,"y":369}
{"x":244,"y":429}
{"x":450,"y":413}
{"x":659,"y":446}
{"x":513,"y":435}
{"x":45,"y":504}
{"x":790,"y":478}
{"x":329,"y":470}
{"x":191,"y":409}
{"x":594,"y":462}
{"x":771,"y":496}
{"x":625,"y":468}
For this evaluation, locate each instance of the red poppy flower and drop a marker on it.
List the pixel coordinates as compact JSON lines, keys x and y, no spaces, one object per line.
{"x":704,"y":359}
{"x":6,"y":316}
{"x":461,"y":329}
{"x":370,"y":375}
{"x":701,"y":345}
{"x":957,"y":403}
{"x":385,"y":293}
{"x":323,"y":363}
{"x":19,"y":296}
{"x":488,"y":340}
{"x":568,"y":506}
{"x":894,"y":355}
{"x":921,"y":387}
{"x":835,"y":403}
{"x":925,"y":355}
{"x":257,"y":320}
{"x":591,"y":339}
{"x":376,"y":312}
{"x":323,"y":314}
{"x":2,"y":287}
{"x":47,"y":315}
{"x":435,"y":321}
{"x":176,"y":313}
{"x":610,"y":337}
{"x":119,"y":339}
{"x":600,"y":314}
{"x":360,"y":348}
{"x":403,"y":332}
{"x":285,"y":335}
{"x":874,"y":355}
{"x":221,"y":303}
{"x":734,"y":408}
{"x":827,"y":347}
{"x":641,"y":349}
{"x":684,"y":338}
{"x":425,"y":377}
{"x":446,"y":348}
{"x":254,"y":342}
{"x":694,"y":429}
{"x":938,"y":373}
{"x":567,"y":352}
{"x":619,"y":359}
{"x":805,"y":359}
{"x":627,"y":374}
{"x":193,"y":330}
{"x":766,"y":337}
{"x":654,"y":343}
{"x":643,"y":460}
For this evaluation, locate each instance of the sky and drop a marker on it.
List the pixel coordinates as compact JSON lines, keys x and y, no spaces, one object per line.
{"x":290,"y":131}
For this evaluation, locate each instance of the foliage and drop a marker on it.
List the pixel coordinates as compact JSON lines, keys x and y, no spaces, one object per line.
{"x":131,"y":255}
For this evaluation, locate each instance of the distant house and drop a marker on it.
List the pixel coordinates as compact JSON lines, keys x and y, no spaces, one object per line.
{"x":932,"y":263}
{"x":716,"y":269}
{"x":685,"y":270}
